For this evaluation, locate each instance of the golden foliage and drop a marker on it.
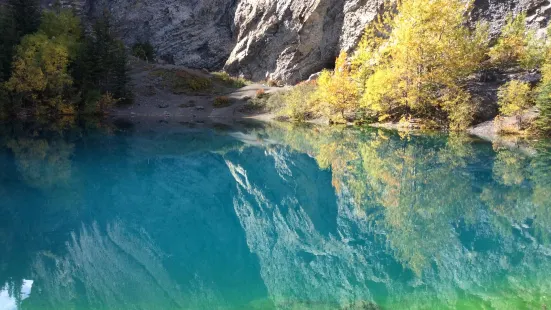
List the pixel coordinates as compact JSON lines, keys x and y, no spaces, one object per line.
{"x":40,"y":72}
{"x":40,"y":66}
{"x":298,"y":103}
{"x":518,"y":45}
{"x":459,"y":106}
{"x":514,"y":97}
{"x":412,"y":61}
{"x":428,"y":49}
{"x":336,"y":92}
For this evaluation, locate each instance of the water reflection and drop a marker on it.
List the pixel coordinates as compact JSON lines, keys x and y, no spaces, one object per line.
{"x":469,"y":221}
{"x":273,"y":217}
{"x":41,"y":163}
{"x":116,"y":268}
{"x":12,"y":294}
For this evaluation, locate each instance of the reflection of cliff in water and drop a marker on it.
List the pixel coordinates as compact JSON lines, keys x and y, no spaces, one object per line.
{"x":300,"y":264}
{"x":287,"y":218}
{"x":120,"y":268}
{"x":178,"y":247}
{"x":427,"y":230}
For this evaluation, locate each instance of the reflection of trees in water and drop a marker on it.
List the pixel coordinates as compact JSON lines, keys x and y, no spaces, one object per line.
{"x":521,"y":193}
{"x":30,"y":167}
{"x":40,"y":189}
{"x":42,"y":163}
{"x":418,"y":182}
{"x":445,"y":213}
{"x":43,"y":150}
{"x":428,"y":220}
{"x":11,"y":291}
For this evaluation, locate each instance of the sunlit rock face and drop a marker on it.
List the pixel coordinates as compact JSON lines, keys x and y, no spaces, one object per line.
{"x":284,"y":40}
{"x":289,"y":40}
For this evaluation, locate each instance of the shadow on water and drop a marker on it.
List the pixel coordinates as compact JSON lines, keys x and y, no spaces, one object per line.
{"x":144,"y":214}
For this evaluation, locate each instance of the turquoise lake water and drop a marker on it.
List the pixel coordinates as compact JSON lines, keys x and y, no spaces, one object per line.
{"x":181,"y":216}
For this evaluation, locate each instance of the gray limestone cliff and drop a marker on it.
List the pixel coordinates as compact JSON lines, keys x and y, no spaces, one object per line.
{"x":284,"y":40}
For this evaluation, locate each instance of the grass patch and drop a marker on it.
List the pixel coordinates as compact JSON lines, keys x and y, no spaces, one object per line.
{"x":186,"y":82}
{"x":183,"y":82}
{"x":225,"y":79}
{"x":222,"y":102}
{"x":255,"y":105}
{"x":265,"y":102}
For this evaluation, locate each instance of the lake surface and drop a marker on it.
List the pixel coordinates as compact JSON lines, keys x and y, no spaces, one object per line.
{"x":182,"y":216}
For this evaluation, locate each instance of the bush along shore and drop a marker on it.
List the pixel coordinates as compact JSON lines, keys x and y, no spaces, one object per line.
{"x":51,"y":67}
{"x":423,"y":65}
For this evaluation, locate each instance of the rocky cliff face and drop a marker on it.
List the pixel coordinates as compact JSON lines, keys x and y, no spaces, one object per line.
{"x":289,"y":40}
{"x":285,"y":39}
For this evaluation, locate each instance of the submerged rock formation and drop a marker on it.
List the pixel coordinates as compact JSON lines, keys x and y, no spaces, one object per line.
{"x":283,"y":40}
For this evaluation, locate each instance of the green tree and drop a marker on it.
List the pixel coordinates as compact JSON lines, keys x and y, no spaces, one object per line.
{"x":26,"y":14}
{"x":7,"y":42}
{"x":103,"y":63}
{"x":144,"y":51}
{"x":64,"y":28}
{"x":17,"y":19}
{"x":543,"y":102}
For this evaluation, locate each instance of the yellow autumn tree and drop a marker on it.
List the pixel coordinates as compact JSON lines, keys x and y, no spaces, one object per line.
{"x":543,"y":98}
{"x":514,"y":98}
{"x":419,"y":68}
{"x":40,"y":73}
{"x":337,"y":94}
{"x":518,"y":45}
{"x":40,"y":76}
{"x":367,"y":53}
